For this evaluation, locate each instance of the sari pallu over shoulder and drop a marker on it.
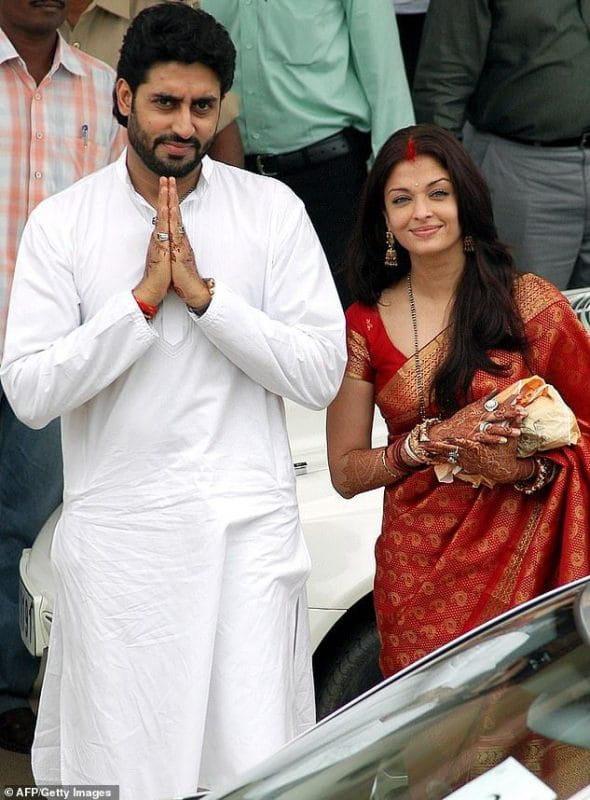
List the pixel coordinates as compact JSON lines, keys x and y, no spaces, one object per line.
{"x":450,"y":556}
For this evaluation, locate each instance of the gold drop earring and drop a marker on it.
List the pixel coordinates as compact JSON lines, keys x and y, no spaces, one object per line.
{"x":390,"y":259}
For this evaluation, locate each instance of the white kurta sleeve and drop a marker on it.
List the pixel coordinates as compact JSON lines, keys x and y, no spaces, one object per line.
{"x":52,"y":362}
{"x":295,"y":346}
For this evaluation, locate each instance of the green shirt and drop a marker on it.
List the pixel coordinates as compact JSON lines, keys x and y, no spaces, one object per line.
{"x":308,"y":68}
{"x":511,"y":67}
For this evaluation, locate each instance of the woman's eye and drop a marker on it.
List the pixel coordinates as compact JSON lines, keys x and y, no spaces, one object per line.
{"x":398,"y":201}
{"x":440,"y":193}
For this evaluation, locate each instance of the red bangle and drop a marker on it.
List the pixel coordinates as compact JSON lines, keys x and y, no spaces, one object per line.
{"x":147,"y":310}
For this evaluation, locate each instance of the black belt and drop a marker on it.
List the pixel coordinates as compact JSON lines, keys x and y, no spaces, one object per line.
{"x":583,"y":140}
{"x":346,"y":141}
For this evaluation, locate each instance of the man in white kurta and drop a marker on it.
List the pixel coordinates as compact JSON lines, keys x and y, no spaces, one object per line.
{"x":179,"y":653}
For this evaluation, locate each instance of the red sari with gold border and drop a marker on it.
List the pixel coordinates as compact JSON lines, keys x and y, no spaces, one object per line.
{"x":449,"y":556}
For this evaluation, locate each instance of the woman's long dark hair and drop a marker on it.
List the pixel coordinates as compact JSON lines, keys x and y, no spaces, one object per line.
{"x":484,"y":315}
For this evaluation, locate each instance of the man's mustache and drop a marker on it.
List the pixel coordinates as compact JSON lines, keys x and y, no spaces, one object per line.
{"x":177,"y":140}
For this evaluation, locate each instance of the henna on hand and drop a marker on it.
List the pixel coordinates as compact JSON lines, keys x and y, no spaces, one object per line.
{"x":499,"y":463}
{"x":186,"y":280}
{"x":364,"y":470}
{"x":157,"y":276}
{"x":500,"y":425}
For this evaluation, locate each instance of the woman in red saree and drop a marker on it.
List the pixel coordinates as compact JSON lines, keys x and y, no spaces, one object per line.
{"x":442,"y":323}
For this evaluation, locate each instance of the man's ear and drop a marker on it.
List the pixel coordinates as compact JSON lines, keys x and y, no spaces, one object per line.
{"x":124,"y":97}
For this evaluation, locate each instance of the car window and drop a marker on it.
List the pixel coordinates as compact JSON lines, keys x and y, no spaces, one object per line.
{"x":520,"y":690}
{"x":524,"y":693}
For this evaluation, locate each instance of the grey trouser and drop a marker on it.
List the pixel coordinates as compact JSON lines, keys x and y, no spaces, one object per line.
{"x":541,"y":200}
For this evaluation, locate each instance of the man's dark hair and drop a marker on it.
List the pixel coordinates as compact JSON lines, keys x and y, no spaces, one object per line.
{"x":174,"y":32}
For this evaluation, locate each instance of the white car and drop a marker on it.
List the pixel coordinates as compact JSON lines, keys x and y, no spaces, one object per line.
{"x":340,"y":535}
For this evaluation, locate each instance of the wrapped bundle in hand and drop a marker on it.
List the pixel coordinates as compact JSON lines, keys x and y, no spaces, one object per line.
{"x":549,"y":423}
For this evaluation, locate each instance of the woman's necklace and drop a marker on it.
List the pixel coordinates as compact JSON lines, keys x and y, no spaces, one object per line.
{"x":417,"y":362}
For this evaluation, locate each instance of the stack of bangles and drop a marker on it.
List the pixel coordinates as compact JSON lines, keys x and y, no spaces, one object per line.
{"x":544,"y":472}
{"x":407,"y":453}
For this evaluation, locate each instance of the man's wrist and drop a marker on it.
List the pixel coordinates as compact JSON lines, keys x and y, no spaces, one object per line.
{"x":149,"y":310}
{"x":143,"y":295}
{"x":200,"y":303}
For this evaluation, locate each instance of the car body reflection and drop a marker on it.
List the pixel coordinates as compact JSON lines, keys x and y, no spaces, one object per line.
{"x":515,"y":692}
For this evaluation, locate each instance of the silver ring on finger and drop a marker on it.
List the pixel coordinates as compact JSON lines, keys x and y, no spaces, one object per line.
{"x":161,"y":236}
{"x":491,"y":404}
{"x":484,"y":426}
{"x":154,"y":220}
{"x":453,"y":456}
{"x":181,"y":230}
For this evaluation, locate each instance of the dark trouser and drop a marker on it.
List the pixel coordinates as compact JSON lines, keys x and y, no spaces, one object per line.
{"x":30,"y":489}
{"x":541,"y":204}
{"x":410,"y":28}
{"x":331,"y":191}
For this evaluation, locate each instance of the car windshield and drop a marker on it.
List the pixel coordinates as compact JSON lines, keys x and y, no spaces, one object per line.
{"x":517,"y":696}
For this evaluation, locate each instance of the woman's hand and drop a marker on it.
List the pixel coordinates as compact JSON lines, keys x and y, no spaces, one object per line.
{"x":482,"y":441}
{"x":496,"y":462}
{"x":476,"y":423}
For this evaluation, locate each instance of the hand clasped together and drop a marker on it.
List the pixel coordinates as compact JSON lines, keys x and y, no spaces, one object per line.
{"x":170,"y":260}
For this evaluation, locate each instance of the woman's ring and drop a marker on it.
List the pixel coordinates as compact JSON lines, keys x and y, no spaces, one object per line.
{"x":491,"y":404}
{"x":484,"y":426}
{"x":453,"y":456}
{"x":162,"y":237}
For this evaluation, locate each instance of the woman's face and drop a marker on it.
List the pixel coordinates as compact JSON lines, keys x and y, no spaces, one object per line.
{"x":421,"y":208}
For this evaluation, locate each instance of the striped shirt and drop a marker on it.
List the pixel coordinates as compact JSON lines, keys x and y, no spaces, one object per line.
{"x":50,"y":136}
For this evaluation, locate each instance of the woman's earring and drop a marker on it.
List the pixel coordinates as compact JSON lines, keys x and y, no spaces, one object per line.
{"x":468,"y":244}
{"x":390,"y":260}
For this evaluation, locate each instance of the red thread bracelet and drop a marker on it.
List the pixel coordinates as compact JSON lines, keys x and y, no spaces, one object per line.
{"x":147,"y":310}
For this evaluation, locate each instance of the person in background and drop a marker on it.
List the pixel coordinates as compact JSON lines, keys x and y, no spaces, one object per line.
{"x":179,"y":651}
{"x":98,"y":27}
{"x":442,"y":323}
{"x":322,"y":85}
{"x":57,"y":126}
{"x":410,"y":16}
{"x":512,"y":78}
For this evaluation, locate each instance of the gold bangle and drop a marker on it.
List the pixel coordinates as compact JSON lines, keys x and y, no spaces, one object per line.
{"x":384,"y":462}
{"x":418,"y":436}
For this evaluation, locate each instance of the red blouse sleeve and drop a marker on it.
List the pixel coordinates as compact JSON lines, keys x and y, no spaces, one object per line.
{"x":359,"y":364}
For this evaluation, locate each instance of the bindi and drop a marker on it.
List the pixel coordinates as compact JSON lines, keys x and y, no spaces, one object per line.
{"x":410,"y":154}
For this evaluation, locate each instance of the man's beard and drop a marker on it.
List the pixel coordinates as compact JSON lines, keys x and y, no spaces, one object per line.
{"x":170,"y":167}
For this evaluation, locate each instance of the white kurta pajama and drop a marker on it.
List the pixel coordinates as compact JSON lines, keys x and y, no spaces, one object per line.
{"x":179,"y":654}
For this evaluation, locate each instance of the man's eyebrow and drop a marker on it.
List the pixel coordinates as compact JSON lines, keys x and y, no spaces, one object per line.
{"x":166,"y":96}
{"x":163,"y":96}
{"x":212,"y":98}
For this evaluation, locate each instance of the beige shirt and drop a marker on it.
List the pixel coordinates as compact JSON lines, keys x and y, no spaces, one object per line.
{"x":100,"y":31}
